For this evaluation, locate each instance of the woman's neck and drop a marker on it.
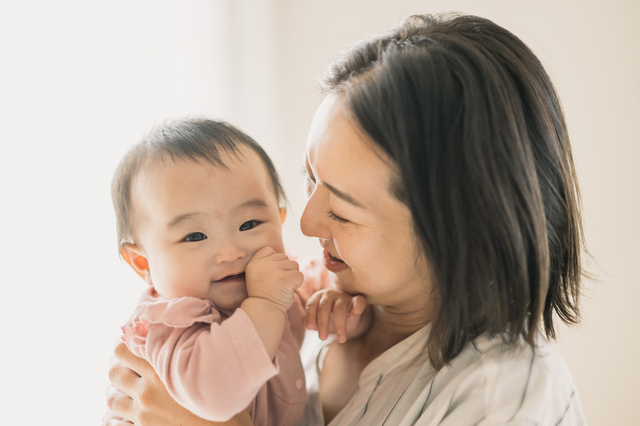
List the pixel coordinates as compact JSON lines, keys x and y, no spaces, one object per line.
{"x":390,"y":325}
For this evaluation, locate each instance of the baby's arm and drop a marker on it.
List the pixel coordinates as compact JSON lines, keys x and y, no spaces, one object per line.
{"x":213,"y":369}
{"x":332,"y":311}
{"x":271,"y":281}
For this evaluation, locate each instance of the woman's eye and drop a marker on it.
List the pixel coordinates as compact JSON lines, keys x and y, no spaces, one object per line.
{"x":337,"y":218}
{"x":307,"y":174}
{"x":249,"y":225}
{"x":195,"y":236}
{"x":309,"y":182}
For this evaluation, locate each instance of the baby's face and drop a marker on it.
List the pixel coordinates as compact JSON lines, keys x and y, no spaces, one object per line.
{"x":200,"y":225}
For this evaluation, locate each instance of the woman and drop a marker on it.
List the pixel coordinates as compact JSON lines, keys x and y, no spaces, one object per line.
{"x":442,"y":189}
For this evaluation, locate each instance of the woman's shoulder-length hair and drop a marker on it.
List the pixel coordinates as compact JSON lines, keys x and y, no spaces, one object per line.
{"x":474,"y":126}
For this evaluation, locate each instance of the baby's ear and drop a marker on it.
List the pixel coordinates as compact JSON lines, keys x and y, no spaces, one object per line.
{"x":135,"y":257}
{"x":283,"y":214}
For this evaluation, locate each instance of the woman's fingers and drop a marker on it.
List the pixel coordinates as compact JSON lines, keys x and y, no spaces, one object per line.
{"x":120,"y":406}
{"x":126,"y":357}
{"x":123,"y":378}
{"x":111,"y":419}
{"x":141,"y":396}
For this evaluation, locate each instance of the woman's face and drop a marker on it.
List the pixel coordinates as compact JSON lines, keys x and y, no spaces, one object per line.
{"x":366,"y":233}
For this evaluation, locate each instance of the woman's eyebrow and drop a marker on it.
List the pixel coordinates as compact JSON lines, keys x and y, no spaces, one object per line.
{"x":346,"y":197}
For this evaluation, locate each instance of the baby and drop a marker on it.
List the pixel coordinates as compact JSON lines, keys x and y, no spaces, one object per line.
{"x":199,"y":209}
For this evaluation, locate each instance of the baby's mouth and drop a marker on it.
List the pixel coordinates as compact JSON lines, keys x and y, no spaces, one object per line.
{"x":232,"y":277}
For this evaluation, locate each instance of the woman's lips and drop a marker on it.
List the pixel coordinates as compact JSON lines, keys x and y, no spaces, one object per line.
{"x":333,"y":264}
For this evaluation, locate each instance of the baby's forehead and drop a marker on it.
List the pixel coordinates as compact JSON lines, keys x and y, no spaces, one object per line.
{"x":221,"y":159}
{"x":164,"y":172}
{"x":170,"y":186}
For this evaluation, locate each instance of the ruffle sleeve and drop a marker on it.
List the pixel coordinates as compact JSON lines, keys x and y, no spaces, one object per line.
{"x":212,"y":368}
{"x":154,"y":309}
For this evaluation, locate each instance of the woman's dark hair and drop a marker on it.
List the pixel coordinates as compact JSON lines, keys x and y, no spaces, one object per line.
{"x":476,"y":131}
{"x":195,"y":139}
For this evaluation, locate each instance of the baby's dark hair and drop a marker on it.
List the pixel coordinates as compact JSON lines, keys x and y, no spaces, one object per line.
{"x":474,"y":126}
{"x":195,"y":139}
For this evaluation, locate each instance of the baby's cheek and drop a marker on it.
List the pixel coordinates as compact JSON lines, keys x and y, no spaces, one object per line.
{"x":170,"y":283}
{"x":271,"y":237}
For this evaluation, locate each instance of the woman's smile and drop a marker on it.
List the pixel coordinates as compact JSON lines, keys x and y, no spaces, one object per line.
{"x":367,"y":236}
{"x":333,"y":263}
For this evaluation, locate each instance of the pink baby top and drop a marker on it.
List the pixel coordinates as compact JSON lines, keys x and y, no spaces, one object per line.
{"x":216,"y":369}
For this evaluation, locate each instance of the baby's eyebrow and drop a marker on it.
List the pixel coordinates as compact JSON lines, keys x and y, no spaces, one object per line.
{"x":251,"y":204}
{"x":176,"y":220}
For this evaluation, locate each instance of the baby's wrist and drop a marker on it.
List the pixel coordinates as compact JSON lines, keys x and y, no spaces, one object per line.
{"x":264,"y":303}
{"x":268,"y":319}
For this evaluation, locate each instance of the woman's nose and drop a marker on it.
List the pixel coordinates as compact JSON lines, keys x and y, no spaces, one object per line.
{"x":312,"y":221}
{"x":228,"y":252}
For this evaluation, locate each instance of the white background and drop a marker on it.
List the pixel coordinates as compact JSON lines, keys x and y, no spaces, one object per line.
{"x":81,"y":81}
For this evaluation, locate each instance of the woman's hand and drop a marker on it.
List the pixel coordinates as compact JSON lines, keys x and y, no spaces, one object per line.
{"x":137,"y":396}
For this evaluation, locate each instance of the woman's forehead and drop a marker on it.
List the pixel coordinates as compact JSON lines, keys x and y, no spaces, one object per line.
{"x":334,"y":129}
{"x":340,"y":155}
{"x":324,"y":123}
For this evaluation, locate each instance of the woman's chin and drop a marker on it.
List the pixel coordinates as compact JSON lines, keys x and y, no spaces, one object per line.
{"x":344,"y":281}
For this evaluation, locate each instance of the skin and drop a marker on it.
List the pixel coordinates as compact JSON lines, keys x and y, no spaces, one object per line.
{"x":372,"y":232}
{"x":149,"y":404}
{"x":214,"y":233}
{"x":196,"y":225}
{"x":374,"y":238}
{"x":211,"y":233}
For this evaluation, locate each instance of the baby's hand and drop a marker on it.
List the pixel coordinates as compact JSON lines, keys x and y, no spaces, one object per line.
{"x":273,"y":276}
{"x":336,"y":312}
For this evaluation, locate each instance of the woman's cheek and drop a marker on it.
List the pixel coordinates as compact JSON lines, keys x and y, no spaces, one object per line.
{"x":348,"y":252}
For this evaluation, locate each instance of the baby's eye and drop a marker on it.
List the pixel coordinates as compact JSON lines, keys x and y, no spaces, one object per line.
{"x":195,"y":236}
{"x":249,"y":225}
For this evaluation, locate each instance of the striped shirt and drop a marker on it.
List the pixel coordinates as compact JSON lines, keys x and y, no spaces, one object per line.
{"x":488,"y":383}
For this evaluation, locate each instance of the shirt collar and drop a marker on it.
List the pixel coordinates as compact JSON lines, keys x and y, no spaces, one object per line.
{"x":405,"y":351}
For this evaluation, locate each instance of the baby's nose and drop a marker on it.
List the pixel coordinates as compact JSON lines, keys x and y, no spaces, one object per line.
{"x":229,"y":253}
